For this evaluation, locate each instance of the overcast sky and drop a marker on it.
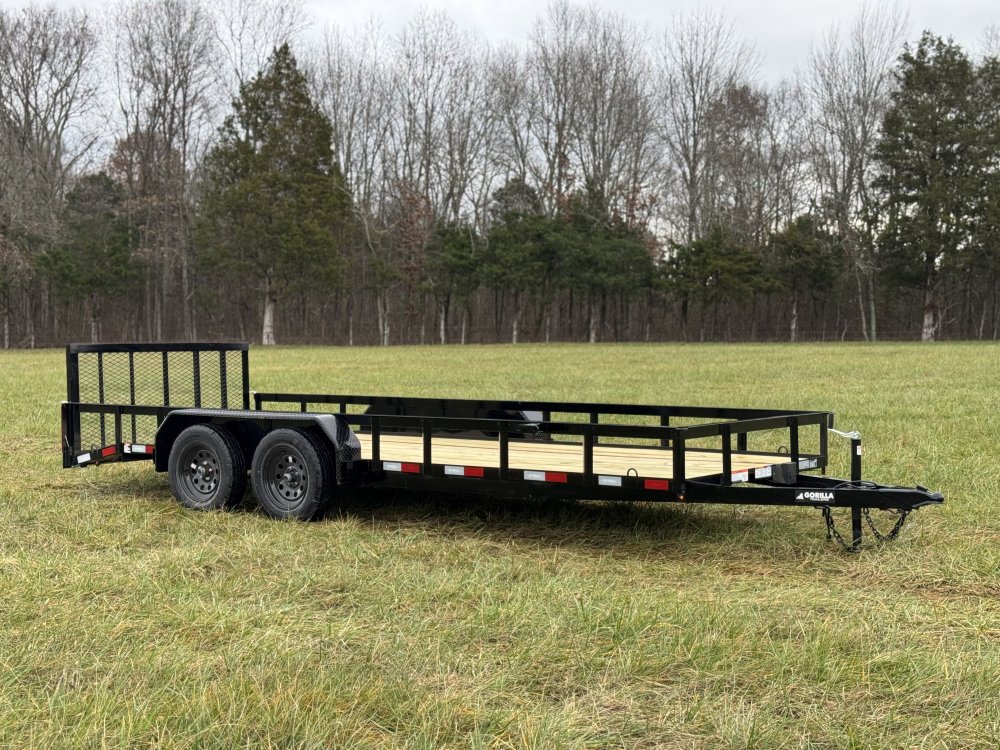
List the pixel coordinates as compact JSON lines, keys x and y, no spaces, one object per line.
{"x":782,"y":29}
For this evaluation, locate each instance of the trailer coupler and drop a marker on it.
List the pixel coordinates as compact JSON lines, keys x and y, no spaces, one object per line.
{"x":899,"y":501}
{"x":826,"y":494}
{"x":861,"y":496}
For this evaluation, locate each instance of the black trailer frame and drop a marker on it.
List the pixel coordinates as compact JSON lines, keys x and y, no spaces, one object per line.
{"x":128,"y":402}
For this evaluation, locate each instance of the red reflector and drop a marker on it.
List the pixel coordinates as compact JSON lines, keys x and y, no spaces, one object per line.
{"x":555,"y":476}
{"x":109,"y":451}
{"x":657,"y":484}
{"x":410,"y":468}
{"x":474,"y":471}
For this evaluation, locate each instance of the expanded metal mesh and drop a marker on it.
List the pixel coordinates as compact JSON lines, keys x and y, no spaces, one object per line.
{"x":97,"y":430}
{"x":209,"y":379}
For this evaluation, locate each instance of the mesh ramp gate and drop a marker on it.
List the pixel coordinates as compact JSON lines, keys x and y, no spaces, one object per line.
{"x":134,"y":377}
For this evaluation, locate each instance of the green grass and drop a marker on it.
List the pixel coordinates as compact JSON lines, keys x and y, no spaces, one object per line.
{"x":430,"y":622}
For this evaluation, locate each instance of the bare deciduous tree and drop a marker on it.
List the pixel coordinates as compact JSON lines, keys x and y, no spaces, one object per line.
{"x":13,"y":266}
{"x":613,"y":130}
{"x":438,"y":170}
{"x":759,"y":160}
{"x":354,"y":90}
{"x":701,"y":58}
{"x":47,"y":88}
{"x":166,"y":60}
{"x":553,"y":71}
{"x":509,"y":108}
{"x":247,"y":31}
{"x":849,"y":82}
{"x":990,"y":44}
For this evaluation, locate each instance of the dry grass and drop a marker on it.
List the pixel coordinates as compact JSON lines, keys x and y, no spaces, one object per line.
{"x":429,"y":622}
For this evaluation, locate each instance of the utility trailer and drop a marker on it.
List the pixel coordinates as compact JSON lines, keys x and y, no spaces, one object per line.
{"x":189,"y":409}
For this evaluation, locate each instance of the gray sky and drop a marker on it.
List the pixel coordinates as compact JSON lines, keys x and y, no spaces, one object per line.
{"x":781,"y":29}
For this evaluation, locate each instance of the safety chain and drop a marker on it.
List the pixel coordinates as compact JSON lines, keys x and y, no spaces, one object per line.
{"x":833,"y":534}
{"x":893,"y":532}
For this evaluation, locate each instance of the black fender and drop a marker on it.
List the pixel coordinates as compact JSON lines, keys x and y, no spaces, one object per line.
{"x":249,"y":427}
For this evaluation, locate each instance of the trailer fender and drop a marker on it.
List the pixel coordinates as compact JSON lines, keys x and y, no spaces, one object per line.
{"x":249,"y":427}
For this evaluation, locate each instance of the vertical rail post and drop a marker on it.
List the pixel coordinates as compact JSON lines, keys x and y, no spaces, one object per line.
{"x":131,"y":388}
{"x":196,"y":375}
{"x":594,"y":418}
{"x":223,"y":381}
{"x":664,"y":422}
{"x":793,"y":438}
{"x":71,"y":433}
{"x":100,"y":396}
{"x":426,"y":429}
{"x":72,"y":375}
{"x":504,"y":451}
{"x":855,"y":459}
{"x":589,"y":439}
{"x":245,"y":361}
{"x":856,"y":477}
{"x":166,"y":379}
{"x":678,"y":478}
{"x":100,"y":377}
{"x":376,"y":444}
{"x":727,"y":456}
{"x":71,"y":422}
{"x":824,"y":444}
{"x":741,"y":441}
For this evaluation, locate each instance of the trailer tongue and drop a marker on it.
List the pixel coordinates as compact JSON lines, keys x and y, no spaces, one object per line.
{"x":187,"y":407}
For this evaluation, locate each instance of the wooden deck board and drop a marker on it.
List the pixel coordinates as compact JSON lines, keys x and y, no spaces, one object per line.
{"x":615,"y":460}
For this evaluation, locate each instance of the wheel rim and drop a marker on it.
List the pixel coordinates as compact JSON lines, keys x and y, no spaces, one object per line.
{"x":201,"y":472}
{"x":286,"y":476}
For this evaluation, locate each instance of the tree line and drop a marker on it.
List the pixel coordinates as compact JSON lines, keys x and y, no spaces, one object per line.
{"x":201,"y":169}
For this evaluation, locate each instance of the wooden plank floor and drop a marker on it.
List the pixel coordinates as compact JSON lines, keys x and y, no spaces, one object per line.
{"x":566,"y":457}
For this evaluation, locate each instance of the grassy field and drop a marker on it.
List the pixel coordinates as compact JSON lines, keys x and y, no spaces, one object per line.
{"x":433,"y":622}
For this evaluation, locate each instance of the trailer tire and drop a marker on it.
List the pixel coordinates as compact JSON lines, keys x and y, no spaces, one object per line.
{"x":207,"y":468}
{"x":293,"y":475}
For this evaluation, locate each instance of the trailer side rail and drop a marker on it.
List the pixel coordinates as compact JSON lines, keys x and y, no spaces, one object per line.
{"x":732,"y":434}
{"x":386,"y":405}
{"x":591,"y":432}
{"x":118,"y":443}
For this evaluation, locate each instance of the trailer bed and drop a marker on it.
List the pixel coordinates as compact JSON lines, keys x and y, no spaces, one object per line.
{"x":613,"y":460}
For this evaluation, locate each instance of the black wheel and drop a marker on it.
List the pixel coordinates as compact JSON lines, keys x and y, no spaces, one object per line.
{"x":207,"y":468}
{"x":292,"y":474}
